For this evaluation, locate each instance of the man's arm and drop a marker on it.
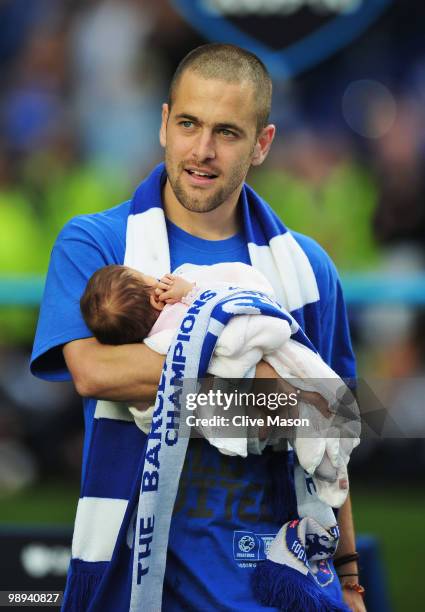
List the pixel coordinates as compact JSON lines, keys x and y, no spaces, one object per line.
{"x":347,"y":545}
{"x":128,"y":372}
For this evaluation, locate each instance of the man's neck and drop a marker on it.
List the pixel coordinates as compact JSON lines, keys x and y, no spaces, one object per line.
{"x":218,"y":224}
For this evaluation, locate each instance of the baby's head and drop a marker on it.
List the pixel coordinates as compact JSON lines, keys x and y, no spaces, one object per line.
{"x":119,"y":305}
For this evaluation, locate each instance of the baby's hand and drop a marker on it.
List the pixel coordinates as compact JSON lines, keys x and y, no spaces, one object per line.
{"x":172,"y":288}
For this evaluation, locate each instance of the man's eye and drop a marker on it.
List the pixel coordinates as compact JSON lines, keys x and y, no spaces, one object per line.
{"x":187,"y":124}
{"x":227,"y":133}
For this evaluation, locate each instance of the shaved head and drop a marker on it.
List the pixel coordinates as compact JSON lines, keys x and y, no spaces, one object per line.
{"x":230,"y":64}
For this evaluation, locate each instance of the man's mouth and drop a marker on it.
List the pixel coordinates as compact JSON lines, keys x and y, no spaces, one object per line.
{"x":200,"y":175}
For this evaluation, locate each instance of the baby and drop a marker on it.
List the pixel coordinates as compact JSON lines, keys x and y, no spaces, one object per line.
{"x":121,"y":305}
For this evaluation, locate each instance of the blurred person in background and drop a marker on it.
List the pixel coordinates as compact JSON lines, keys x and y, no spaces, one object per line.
{"x":43,"y":183}
{"x":316,"y":183}
{"x":399,"y":166}
{"x":116,"y":82}
{"x":399,"y":227}
{"x":393,"y":337}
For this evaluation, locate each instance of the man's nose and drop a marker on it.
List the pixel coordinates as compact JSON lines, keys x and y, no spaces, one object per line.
{"x":204,"y":146}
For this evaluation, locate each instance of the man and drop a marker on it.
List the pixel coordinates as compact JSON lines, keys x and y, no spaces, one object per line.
{"x":214,"y":128}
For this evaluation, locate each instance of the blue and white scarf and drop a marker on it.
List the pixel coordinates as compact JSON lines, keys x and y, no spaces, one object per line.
{"x":109,"y":572}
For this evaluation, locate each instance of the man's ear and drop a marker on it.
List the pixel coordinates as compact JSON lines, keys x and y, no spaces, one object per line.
{"x":155,"y":303}
{"x":163,"y":128}
{"x":263,"y":144}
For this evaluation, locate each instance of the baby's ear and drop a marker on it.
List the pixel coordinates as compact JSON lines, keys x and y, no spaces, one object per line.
{"x":155,"y":303}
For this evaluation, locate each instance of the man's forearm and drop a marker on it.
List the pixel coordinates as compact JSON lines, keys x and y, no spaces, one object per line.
{"x":347,"y":541}
{"x":128,"y":372}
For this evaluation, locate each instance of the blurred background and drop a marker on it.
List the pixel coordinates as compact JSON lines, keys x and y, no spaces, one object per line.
{"x":81,"y":87}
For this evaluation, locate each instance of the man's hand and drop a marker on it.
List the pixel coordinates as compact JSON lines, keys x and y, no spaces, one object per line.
{"x":172,"y":288}
{"x":353,"y":599}
{"x":264,"y":370}
{"x":141,"y":406}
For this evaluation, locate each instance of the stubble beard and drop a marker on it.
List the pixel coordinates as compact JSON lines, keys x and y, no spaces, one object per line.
{"x":203,"y":203}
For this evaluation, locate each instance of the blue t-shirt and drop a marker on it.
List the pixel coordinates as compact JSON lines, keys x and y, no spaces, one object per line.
{"x":222,"y":518}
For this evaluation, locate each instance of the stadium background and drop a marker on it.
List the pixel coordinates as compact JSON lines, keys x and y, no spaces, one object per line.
{"x":81,"y":84}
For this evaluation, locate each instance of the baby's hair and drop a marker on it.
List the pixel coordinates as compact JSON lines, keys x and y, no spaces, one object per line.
{"x":116,"y":306}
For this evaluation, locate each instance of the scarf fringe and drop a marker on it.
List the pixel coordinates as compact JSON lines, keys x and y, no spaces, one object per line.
{"x":81,"y":589}
{"x":282,"y":587}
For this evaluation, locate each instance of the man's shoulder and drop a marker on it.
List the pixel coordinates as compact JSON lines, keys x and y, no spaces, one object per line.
{"x":110,"y":224}
{"x":319,"y":259}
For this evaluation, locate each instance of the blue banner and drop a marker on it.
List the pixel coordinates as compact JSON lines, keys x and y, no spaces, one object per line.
{"x":290,"y":36}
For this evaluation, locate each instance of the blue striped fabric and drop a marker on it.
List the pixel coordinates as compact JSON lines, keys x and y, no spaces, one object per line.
{"x":154,"y":515}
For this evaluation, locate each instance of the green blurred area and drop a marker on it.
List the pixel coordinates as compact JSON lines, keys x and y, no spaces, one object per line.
{"x":394,"y":515}
{"x":337,"y":213}
{"x":31,"y":217}
{"x":51,"y":503}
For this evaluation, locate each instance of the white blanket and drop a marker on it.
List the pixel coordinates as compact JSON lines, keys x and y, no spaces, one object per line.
{"x":323,"y":448}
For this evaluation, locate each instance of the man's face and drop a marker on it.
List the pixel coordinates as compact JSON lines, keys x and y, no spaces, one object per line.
{"x":209,"y":135}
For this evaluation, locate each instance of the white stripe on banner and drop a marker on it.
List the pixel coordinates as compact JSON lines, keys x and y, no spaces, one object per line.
{"x":147,"y":243}
{"x":97,"y":525}
{"x":113,"y":410}
{"x":296,"y":272}
{"x":262,"y":259}
{"x":294,"y":282}
{"x":215,"y":327}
